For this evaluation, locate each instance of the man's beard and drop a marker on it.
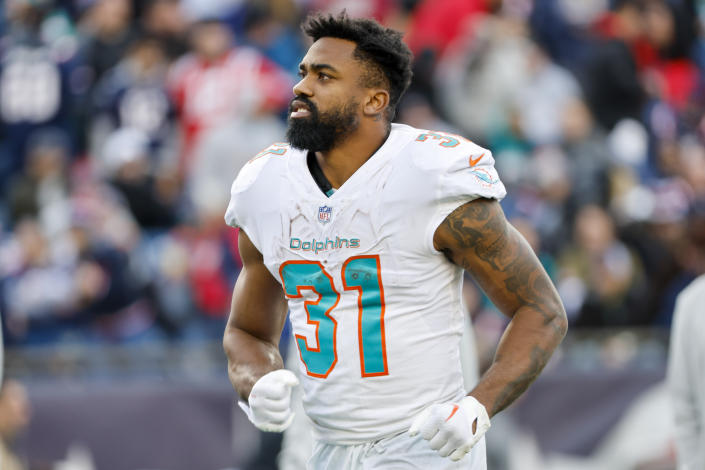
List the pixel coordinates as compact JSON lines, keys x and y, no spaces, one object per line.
{"x":320,"y":132}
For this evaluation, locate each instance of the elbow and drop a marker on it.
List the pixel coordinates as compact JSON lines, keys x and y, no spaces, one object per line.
{"x":228,"y":339}
{"x":559,"y":321}
{"x":225,"y":342}
{"x":554,"y":321}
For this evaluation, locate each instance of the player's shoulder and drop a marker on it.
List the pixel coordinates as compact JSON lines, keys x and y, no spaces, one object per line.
{"x":440,"y":150}
{"x":264,"y":166}
{"x":258,"y":182}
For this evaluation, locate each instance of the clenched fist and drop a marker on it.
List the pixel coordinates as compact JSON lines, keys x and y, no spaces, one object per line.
{"x":270,"y":399}
{"x":449,"y":426}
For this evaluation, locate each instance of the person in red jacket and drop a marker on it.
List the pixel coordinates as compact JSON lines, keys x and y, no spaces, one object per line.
{"x":217,"y":83}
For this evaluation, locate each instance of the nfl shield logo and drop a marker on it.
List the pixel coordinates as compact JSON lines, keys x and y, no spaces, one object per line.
{"x":324,"y":214}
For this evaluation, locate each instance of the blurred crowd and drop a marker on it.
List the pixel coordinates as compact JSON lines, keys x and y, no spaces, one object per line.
{"x":123,"y":123}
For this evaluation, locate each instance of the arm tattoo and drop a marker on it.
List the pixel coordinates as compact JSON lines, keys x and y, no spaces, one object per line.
{"x":539,"y":358}
{"x":481,"y":232}
{"x":477,"y":237}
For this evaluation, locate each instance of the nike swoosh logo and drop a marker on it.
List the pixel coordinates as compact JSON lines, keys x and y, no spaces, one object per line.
{"x":455,"y":408}
{"x":473,"y":161}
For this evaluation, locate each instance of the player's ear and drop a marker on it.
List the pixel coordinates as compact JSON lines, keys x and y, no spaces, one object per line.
{"x":376,"y":103}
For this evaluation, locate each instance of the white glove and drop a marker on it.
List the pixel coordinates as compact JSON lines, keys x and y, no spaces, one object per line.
{"x":448,"y":426}
{"x":270,"y":399}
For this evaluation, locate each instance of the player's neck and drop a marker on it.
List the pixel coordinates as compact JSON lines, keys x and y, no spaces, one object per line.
{"x":348,"y":156}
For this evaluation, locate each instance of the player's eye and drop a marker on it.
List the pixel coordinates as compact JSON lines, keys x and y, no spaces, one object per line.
{"x":322,"y":76}
{"x":301,"y":74}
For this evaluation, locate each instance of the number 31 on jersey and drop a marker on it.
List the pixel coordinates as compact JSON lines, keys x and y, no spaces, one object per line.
{"x":360,"y":274}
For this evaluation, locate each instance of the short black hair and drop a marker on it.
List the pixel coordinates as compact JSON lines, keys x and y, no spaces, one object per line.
{"x":387,"y":58}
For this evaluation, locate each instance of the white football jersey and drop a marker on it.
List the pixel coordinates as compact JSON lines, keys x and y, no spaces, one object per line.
{"x":375,"y":309}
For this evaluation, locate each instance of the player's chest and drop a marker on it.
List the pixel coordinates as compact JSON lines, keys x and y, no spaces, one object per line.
{"x":333,"y":227}
{"x":370,"y":214}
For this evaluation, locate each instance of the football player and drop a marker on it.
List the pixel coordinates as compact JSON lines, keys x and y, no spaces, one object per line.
{"x":362,"y":228}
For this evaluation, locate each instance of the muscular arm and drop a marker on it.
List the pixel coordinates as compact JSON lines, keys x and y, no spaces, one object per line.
{"x":477,"y":237}
{"x":251,"y":339}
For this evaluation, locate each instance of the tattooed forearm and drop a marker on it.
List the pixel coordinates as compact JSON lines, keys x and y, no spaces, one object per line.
{"x":512,"y":391}
{"x":477,"y":237}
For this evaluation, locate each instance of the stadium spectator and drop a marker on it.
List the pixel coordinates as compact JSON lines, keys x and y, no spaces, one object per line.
{"x":36,"y":89}
{"x":599,"y":277}
{"x":585,"y":145}
{"x":42,"y":189}
{"x":168,"y":285}
{"x":542,"y":97}
{"x":150,"y":192}
{"x":164,"y":20}
{"x":107,"y":31}
{"x":669,"y":27}
{"x":103,"y":238}
{"x":133,"y":94}
{"x":541,"y":194}
{"x":561,"y":28}
{"x":213,"y":262}
{"x":476,"y":80}
{"x":435,"y":24}
{"x":658,"y":237}
{"x":609,"y":74}
{"x":34,"y":313}
{"x":218,"y":83}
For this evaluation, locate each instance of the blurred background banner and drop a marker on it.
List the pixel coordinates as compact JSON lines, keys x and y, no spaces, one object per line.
{"x":158,"y":419}
{"x":124,"y":122}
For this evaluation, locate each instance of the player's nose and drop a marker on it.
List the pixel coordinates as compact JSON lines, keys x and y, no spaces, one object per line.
{"x":301,"y":88}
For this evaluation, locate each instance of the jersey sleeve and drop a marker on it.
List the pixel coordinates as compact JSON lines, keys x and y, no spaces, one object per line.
{"x":233,"y":214}
{"x":462,"y":174}
{"x":247,"y":194}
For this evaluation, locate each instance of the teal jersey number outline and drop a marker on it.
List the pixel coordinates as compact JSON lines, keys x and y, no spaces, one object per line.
{"x":362,"y":273}
{"x":278,"y":148}
{"x":301,"y":275}
{"x":446,"y":140}
{"x":359,"y":273}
